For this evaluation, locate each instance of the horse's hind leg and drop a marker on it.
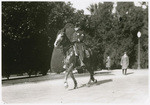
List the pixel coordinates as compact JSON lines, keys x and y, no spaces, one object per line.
{"x":91,"y":71}
{"x":92,"y":76}
{"x":74,"y":80}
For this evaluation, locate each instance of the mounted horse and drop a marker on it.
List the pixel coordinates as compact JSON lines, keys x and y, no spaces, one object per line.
{"x":64,"y":41}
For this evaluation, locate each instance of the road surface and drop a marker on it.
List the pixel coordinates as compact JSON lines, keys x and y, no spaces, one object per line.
{"x":112,"y":87}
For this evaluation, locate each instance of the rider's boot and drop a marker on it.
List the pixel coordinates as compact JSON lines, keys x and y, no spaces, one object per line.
{"x":81,"y":63}
{"x":64,"y":66}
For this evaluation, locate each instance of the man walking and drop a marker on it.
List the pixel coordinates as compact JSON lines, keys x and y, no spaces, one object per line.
{"x":124,"y":63}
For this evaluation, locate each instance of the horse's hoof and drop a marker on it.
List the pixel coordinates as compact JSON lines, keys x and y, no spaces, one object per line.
{"x":88,"y":84}
{"x":75,"y":87}
{"x":65,"y":85}
{"x":95,"y":81}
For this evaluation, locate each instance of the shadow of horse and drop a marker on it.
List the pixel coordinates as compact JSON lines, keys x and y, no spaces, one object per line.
{"x":104,"y":73}
{"x":95,"y":84}
{"x":129,"y":73}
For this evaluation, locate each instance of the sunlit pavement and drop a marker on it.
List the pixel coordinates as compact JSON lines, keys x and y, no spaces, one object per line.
{"x":112,"y":87}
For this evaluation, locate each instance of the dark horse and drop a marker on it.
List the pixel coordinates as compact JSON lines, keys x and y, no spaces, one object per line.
{"x":63,"y":42}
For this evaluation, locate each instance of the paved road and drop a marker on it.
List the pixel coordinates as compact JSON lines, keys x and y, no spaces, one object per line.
{"x":112,"y":87}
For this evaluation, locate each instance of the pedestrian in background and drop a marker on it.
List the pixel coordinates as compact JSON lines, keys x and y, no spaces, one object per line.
{"x":108,"y":63}
{"x":124,"y":63}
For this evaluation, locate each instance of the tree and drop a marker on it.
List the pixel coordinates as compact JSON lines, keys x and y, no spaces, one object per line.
{"x":28,"y":33}
{"x":117,"y":36}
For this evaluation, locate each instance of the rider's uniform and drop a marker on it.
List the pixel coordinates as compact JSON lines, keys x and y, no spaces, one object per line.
{"x":79,"y":47}
{"x":76,"y":38}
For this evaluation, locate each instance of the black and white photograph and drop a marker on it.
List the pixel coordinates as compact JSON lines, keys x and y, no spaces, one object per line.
{"x":75,"y":52}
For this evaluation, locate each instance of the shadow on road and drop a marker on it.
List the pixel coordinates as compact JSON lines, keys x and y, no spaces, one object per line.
{"x":104,"y":81}
{"x":21,"y":77}
{"x":95,"y":84}
{"x":104,"y":73}
{"x":129,"y":73}
{"x":40,"y":78}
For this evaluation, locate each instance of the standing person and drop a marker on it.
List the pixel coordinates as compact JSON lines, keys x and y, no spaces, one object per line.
{"x":124,"y":63}
{"x":108,"y":63}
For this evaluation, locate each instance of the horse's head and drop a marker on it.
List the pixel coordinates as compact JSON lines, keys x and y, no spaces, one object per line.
{"x":65,"y":36}
{"x":59,"y":38}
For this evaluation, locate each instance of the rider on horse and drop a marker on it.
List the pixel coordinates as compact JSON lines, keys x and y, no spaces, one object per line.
{"x":76,"y":37}
{"x":70,"y":39}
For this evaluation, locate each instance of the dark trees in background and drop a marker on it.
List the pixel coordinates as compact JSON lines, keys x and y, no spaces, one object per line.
{"x":116,"y":32}
{"x":28,"y":33}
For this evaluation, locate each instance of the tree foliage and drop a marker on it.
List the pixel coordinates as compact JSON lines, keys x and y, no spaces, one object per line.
{"x":28,"y":33}
{"x":117,"y":34}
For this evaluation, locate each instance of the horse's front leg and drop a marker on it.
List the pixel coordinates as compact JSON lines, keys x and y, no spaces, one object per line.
{"x":68,"y":70}
{"x":74,"y":80}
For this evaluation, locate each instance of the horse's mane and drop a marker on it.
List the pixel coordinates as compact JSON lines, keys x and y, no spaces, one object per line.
{"x":66,"y":42}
